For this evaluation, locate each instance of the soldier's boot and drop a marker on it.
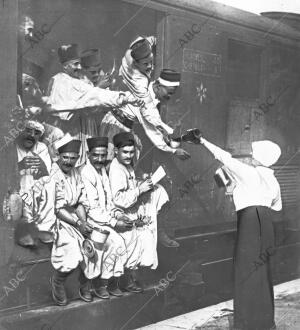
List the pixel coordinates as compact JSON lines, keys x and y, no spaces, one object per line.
{"x":100,"y":287}
{"x":84,"y":289}
{"x":113,"y":287}
{"x":58,"y":287}
{"x":131,"y":283}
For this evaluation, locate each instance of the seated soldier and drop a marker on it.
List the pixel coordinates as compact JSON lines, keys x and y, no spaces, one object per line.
{"x":33,"y":158}
{"x":27,"y":159}
{"x":71,"y":226}
{"x":140,"y":201}
{"x":104,"y":215}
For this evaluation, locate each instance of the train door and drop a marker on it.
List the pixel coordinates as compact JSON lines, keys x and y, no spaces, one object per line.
{"x":195,"y":46}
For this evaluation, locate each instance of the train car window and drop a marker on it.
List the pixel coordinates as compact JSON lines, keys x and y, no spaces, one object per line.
{"x":243,"y":69}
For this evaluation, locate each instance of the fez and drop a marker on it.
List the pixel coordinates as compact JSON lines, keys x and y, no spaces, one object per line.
{"x":141,"y":50}
{"x":99,"y":141}
{"x":123,"y":139}
{"x":136,"y":40}
{"x":62,"y":141}
{"x":72,"y":146}
{"x":68,"y":53}
{"x":91,"y":58}
{"x":169,"y":78}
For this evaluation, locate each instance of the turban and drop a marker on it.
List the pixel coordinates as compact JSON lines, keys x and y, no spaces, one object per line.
{"x":266,"y":152}
{"x":33,"y":124}
{"x":98,"y":141}
{"x":141,"y":50}
{"x":169,"y":78}
{"x":91,"y":58}
{"x":123,"y":139}
{"x":27,"y":79}
{"x":68,"y":53}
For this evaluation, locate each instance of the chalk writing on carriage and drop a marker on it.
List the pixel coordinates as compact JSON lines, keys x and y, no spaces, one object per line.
{"x":200,"y":62}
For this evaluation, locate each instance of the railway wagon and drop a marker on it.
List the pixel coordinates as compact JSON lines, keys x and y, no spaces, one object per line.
{"x":240,"y":83}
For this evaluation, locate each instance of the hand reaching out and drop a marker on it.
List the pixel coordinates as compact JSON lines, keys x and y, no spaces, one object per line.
{"x":128,"y":98}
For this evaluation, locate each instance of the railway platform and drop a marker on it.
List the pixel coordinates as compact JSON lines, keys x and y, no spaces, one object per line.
{"x":220,"y":316}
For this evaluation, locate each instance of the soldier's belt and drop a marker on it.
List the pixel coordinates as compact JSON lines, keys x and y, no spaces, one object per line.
{"x":119,"y":115}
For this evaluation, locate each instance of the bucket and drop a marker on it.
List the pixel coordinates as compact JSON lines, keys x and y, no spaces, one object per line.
{"x":99,"y":237}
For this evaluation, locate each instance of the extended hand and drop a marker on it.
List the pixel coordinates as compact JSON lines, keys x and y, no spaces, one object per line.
{"x":130,"y":99}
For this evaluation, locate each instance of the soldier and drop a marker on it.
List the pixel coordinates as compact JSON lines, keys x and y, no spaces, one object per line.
{"x":123,"y":119}
{"x":32,"y":155}
{"x":140,"y":202}
{"x":71,"y":226}
{"x":103,"y":214}
{"x":91,"y":63}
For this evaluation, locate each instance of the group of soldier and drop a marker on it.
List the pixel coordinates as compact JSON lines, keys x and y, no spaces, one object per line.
{"x":76,"y":174}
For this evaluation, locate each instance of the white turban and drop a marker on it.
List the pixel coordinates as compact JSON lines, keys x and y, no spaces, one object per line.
{"x":35,"y":125}
{"x":266,"y":152}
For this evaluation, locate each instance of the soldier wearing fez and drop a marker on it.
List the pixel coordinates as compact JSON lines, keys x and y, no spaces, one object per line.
{"x":91,"y":63}
{"x":136,"y":70}
{"x":123,"y":119}
{"x":71,"y":225}
{"x":104,"y":215}
{"x":140,"y":201}
{"x":93,"y":74}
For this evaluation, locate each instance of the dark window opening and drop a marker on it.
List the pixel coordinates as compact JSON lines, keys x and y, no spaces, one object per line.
{"x":243,"y":75}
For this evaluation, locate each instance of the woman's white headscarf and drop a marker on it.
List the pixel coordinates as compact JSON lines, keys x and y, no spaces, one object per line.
{"x":266,"y":152}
